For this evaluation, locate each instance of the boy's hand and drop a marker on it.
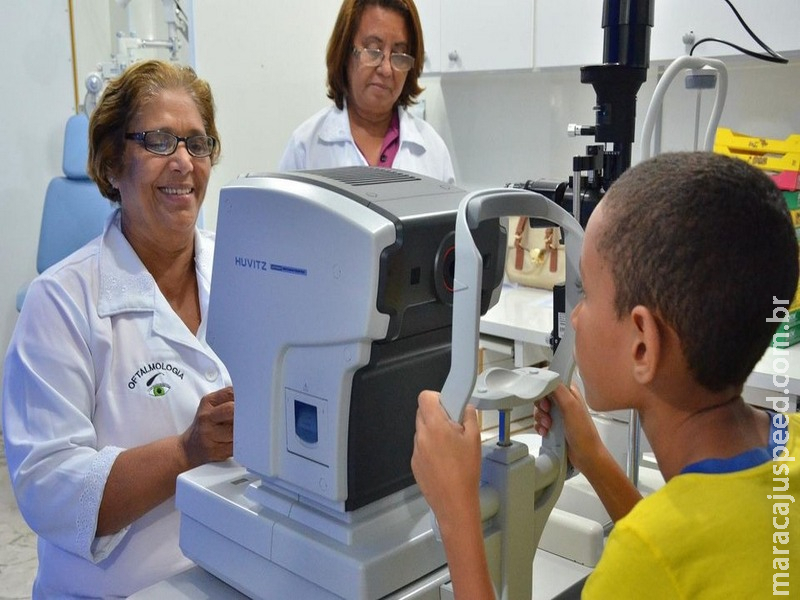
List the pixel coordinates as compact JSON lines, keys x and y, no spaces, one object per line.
{"x":587,"y":452}
{"x":447,"y":466}
{"x":583,"y":440}
{"x":447,"y":457}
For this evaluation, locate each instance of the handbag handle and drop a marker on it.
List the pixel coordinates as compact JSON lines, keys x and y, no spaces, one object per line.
{"x":519,"y":249}
{"x":551,"y":245}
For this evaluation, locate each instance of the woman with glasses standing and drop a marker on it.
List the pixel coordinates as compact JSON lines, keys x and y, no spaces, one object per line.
{"x":110,"y":388}
{"x":374,"y":60}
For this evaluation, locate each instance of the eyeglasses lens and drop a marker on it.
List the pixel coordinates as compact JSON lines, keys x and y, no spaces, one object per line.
{"x":372,"y":57}
{"x":199,"y":145}
{"x":162,"y":142}
{"x":402,"y":62}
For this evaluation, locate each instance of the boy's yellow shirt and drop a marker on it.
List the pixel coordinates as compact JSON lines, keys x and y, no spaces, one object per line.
{"x":717,"y":535}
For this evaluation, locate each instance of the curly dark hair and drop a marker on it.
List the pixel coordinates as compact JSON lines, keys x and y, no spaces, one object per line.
{"x":707,"y":242}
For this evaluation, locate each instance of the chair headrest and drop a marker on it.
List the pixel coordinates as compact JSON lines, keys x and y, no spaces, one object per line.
{"x":76,"y":147}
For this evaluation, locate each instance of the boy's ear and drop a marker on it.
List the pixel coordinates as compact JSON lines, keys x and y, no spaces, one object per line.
{"x":647,"y":344}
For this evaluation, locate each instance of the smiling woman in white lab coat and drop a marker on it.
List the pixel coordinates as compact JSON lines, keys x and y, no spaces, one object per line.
{"x":374,"y":60}
{"x":110,"y":388}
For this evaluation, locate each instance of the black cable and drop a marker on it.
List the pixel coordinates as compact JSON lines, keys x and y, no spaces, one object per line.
{"x":770,"y":56}
{"x":776,"y":58}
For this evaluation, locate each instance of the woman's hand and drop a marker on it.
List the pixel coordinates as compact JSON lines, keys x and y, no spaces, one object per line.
{"x":143,"y":477}
{"x":210,"y":436}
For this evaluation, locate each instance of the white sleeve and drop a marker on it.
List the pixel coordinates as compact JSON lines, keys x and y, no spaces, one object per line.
{"x":57,"y":471}
{"x":448,"y":174}
{"x":293,"y":158}
{"x":439,"y":150}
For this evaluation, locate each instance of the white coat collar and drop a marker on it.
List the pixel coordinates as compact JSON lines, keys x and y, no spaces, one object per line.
{"x":336,"y":127}
{"x":125,"y":283}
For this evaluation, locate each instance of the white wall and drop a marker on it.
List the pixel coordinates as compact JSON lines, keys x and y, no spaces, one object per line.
{"x":37,"y":99}
{"x":265,"y":61}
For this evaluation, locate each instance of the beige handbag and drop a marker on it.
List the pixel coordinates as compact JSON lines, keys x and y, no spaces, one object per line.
{"x":534,"y":255}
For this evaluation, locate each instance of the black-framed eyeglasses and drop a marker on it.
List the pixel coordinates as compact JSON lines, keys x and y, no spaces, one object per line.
{"x":164,"y":143}
{"x":372,"y":57}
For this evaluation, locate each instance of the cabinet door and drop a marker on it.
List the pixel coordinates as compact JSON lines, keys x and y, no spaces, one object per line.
{"x":484,"y":36}
{"x":568,"y":33}
{"x":430,"y":15}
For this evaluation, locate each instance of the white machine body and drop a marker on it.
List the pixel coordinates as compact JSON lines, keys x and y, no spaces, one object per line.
{"x":292,"y":368}
{"x":331,"y":307}
{"x":337,"y":297}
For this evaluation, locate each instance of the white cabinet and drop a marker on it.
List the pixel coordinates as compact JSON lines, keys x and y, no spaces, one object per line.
{"x":430,"y":14}
{"x":476,"y":35}
{"x":568,"y":33}
{"x":776,"y":22}
{"x":571,"y":34}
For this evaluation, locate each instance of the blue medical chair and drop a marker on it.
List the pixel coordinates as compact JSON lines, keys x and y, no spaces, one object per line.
{"x":74,"y":211}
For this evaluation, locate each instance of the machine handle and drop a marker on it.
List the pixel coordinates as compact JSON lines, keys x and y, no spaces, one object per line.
{"x":475,"y":208}
{"x":458,"y":387}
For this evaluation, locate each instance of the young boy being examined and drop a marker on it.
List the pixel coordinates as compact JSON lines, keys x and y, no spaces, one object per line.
{"x":687,"y":264}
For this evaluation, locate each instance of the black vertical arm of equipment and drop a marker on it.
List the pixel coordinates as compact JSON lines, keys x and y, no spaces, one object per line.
{"x":626,"y":32}
{"x":626,"y":57}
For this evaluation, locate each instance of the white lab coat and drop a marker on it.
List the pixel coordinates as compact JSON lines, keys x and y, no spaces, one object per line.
{"x":324,"y":141}
{"x":95,"y":345}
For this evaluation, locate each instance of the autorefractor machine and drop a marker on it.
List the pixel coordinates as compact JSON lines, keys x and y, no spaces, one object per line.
{"x":337,"y":297}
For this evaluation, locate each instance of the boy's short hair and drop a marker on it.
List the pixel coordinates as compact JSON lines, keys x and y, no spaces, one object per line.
{"x":707,"y":243}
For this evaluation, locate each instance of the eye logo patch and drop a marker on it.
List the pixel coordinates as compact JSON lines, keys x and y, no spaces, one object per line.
{"x":156,"y":378}
{"x":157,"y":389}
